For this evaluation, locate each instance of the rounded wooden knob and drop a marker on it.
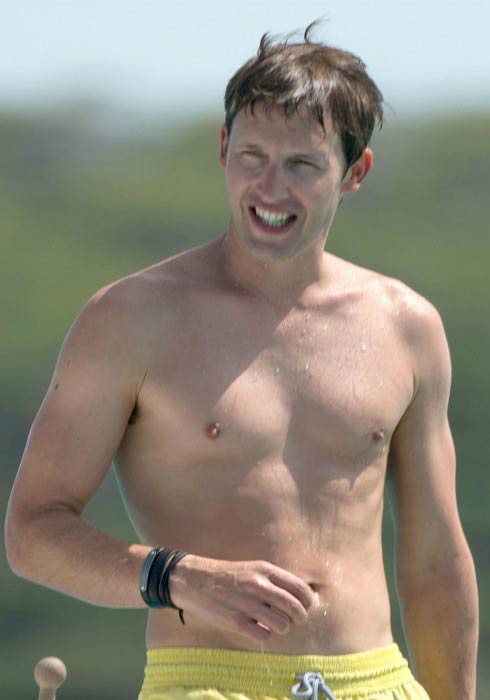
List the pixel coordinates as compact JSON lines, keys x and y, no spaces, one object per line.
{"x":50,"y":673}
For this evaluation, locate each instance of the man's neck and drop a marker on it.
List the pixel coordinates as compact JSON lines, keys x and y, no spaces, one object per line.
{"x":282,"y":281}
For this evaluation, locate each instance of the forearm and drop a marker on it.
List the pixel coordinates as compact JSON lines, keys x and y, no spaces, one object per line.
{"x":58,"y":549}
{"x":441,"y":623}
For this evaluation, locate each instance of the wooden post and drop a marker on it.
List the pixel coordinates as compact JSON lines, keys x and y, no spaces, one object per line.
{"x":49,"y":673}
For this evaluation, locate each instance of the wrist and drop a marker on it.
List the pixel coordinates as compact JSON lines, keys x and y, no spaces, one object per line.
{"x":155,"y":578}
{"x":180,"y":583}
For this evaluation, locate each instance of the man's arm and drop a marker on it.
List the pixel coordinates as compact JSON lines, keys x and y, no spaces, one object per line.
{"x":435,"y":573}
{"x":74,"y":437}
{"x":70,"y":448}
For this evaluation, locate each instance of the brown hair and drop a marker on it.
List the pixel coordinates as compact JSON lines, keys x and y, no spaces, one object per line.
{"x":311,"y":75}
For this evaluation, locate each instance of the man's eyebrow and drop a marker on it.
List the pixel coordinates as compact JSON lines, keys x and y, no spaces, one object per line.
{"x":249,"y":144}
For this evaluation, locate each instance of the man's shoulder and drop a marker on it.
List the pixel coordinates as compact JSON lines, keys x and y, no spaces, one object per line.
{"x":415,"y":319}
{"x":417,"y":325}
{"x":411,"y":311}
{"x":123,"y":320}
{"x":151,"y":289}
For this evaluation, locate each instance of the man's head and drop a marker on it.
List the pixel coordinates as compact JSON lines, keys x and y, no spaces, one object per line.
{"x":314,"y":78}
{"x":298,"y":122}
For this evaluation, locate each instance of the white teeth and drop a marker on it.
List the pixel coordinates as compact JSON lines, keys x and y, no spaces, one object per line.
{"x":272,"y":218}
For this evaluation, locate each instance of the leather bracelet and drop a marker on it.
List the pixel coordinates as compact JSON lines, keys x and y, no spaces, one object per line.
{"x":155,"y":578}
{"x":145,"y":578}
{"x":172,"y":557}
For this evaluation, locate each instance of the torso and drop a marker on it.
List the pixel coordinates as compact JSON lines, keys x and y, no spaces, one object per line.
{"x":263,"y":433}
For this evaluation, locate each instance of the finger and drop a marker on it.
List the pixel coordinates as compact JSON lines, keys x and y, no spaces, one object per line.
{"x":298,"y":588}
{"x":274,"y":619}
{"x":283,"y":602}
{"x":250,"y":628}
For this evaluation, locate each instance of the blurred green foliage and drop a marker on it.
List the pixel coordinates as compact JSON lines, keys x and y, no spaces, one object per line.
{"x":80,"y":207}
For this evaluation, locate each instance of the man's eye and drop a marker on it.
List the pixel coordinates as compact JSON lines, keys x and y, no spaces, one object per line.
{"x":252,"y":155}
{"x":303,"y":162}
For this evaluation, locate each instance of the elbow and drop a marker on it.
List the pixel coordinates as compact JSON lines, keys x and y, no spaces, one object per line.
{"x":14,"y":558}
{"x":454,"y":573}
{"x":31,"y":537}
{"x":16,"y":537}
{"x":22,"y":542}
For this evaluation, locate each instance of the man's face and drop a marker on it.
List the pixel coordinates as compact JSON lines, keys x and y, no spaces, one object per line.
{"x":285,"y":180}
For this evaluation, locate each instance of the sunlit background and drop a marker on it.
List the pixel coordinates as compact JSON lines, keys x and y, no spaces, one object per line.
{"x":160,"y":56}
{"x":109,"y":117}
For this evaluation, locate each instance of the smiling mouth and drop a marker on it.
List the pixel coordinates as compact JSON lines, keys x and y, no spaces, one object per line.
{"x":272,"y":222}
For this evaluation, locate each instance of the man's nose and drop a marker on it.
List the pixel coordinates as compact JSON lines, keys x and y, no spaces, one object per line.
{"x":272,"y":185}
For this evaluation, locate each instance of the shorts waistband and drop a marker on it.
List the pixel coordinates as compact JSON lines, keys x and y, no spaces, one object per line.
{"x":274,"y":674}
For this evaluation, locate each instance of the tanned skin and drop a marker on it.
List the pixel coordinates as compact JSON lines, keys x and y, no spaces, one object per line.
{"x":256,"y":393}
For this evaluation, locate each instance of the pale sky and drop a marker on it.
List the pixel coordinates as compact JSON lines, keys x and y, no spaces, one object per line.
{"x":425,"y":55}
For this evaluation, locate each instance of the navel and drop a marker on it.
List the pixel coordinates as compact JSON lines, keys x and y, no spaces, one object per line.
{"x":212,"y":430}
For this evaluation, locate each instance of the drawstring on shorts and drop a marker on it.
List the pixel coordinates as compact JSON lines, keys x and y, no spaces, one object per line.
{"x":313,"y":683}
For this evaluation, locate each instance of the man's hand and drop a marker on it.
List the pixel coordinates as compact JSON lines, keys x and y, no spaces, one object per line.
{"x":251,"y":598}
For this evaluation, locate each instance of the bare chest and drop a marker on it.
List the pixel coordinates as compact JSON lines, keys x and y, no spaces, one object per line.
{"x":238,"y":384}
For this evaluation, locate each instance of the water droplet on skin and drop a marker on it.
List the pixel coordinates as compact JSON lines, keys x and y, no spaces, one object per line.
{"x":277,"y":370}
{"x":363,"y":346}
{"x":381,"y":383}
{"x":306,"y":367}
{"x":338,"y":576}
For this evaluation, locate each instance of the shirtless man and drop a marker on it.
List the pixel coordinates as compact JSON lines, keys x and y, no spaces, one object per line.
{"x":256,"y":392}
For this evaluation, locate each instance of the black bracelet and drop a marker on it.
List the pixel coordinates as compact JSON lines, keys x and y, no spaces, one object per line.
{"x":155,"y":578}
{"x":171,"y":559}
{"x":148,"y":565}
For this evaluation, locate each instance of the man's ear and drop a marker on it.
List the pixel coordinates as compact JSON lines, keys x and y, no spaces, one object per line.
{"x":357,"y":172}
{"x":223,"y":145}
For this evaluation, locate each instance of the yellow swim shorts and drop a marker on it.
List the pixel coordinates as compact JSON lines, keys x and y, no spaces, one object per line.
{"x":191,"y":673}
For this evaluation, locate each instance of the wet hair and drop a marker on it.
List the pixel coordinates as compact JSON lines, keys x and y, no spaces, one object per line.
{"x":314,"y":76}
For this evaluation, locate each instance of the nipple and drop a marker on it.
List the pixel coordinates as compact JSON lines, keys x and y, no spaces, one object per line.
{"x":212,"y":430}
{"x":378,"y":434}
